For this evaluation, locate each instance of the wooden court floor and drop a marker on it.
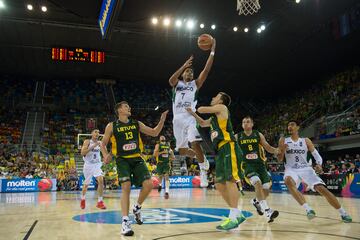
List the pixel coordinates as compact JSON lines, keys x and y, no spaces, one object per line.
{"x":188,"y":214}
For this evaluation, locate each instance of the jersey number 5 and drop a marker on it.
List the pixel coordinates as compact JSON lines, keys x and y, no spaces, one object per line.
{"x":129,"y":135}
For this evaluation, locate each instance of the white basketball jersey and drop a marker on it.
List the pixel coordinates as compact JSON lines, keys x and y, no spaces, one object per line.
{"x":94,"y":155}
{"x":184,"y":95}
{"x":296,"y":154}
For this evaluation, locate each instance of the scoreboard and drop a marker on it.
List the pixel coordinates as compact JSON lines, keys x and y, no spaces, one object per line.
{"x":77,"y":55}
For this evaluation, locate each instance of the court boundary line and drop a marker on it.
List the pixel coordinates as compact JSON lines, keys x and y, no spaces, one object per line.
{"x":30,"y":230}
{"x":248,"y":230}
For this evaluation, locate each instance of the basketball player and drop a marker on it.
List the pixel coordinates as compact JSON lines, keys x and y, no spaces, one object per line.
{"x":228,"y":159}
{"x":252,"y":144}
{"x":127,"y":146}
{"x":90,"y":151}
{"x":185,"y":93}
{"x":298,"y":166}
{"x":163,"y":155}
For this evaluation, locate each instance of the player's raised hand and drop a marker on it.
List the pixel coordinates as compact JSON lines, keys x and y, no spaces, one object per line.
{"x":163,"y":115}
{"x":188,"y":62}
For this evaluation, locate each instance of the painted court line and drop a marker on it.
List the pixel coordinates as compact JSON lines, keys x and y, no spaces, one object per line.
{"x":195,"y":213}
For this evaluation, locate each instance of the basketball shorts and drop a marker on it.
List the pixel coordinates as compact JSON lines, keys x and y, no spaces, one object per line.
{"x":307,"y":175}
{"x":163,"y":168}
{"x":185,"y":131}
{"x":228,"y":162}
{"x":255,"y":169}
{"x":133,"y":170}
{"x":92,"y":170}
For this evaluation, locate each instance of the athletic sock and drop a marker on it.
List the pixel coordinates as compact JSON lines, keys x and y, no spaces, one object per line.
{"x":100,"y":199}
{"x":167,"y":186}
{"x":82,"y":197}
{"x":307,"y":207}
{"x":234,"y":213}
{"x":342,"y":211}
{"x":125,"y":218}
{"x":264,"y":206}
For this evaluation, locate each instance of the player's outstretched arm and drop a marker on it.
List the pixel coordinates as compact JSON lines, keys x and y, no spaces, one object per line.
{"x":108,"y":132}
{"x":282,"y":148}
{"x":156,"y":151}
{"x":205,"y":72}
{"x":200,"y":120}
{"x":267,"y":146}
{"x":173,"y":80}
{"x":154,"y":132}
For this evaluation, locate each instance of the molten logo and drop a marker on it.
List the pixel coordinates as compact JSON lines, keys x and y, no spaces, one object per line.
{"x":22,"y":183}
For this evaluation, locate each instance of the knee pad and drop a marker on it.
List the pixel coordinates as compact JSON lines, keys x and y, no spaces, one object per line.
{"x":254,"y":180}
{"x":266,"y":185}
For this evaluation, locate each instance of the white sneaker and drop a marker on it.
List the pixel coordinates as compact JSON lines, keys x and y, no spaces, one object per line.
{"x":203,"y":179}
{"x":206,"y":165}
{"x":138,"y":216}
{"x":126,"y":228}
{"x":271,"y":215}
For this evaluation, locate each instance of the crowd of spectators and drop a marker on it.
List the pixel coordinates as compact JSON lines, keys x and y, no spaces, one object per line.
{"x":325,"y":98}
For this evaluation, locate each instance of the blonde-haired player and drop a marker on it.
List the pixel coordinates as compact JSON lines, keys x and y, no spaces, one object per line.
{"x":90,"y":151}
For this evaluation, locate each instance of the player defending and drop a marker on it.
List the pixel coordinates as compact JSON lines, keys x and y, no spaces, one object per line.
{"x":228,"y":157}
{"x":298,"y":167}
{"x":90,"y":151}
{"x":163,"y":155}
{"x":185,"y":93}
{"x":124,"y":134}
{"x":252,"y":144}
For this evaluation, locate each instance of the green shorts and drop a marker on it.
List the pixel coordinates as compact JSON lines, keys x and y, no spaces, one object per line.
{"x":255,"y":169}
{"x":228,"y":162}
{"x":133,"y":170}
{"x":163,"y":168}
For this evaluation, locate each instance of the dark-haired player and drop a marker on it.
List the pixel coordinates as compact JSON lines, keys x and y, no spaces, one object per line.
{"x":298,"y":166}
{"x":185,"y":92}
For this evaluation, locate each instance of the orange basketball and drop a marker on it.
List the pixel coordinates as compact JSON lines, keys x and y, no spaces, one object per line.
{"x":205,"y":41}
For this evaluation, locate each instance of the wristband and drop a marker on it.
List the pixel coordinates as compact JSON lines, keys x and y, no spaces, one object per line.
{"x":212,"y":53}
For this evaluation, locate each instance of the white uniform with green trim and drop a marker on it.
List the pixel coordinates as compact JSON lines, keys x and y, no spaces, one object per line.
{"x":185,"y":131}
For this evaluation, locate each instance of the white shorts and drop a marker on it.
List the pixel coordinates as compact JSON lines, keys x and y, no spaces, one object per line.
{"x":185,"y":131}
{"x":307,"y":175}
{"x":92,"y":170}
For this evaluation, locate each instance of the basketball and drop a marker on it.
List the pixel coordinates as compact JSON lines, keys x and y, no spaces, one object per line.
{"x":196,"y":181}
{"x":205,"y":42}
{"x":45,"y":185}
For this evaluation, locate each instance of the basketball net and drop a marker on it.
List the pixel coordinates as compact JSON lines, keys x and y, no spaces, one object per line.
{"x":248,"y":7}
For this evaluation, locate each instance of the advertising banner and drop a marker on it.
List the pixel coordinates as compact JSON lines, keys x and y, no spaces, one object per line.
{"x":28,"y":185}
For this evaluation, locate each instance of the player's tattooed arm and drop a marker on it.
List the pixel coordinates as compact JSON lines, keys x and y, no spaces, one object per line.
{"x":202,"y":122}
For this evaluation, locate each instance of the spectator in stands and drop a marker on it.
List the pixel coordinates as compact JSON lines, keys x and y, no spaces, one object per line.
{"x":352,"y":169}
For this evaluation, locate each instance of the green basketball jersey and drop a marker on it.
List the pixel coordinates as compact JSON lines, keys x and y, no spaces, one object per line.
{"x":252,"y":149}
{"x":126,"y":140}
{"x":221,"y":130}
{"x":165,"y":156}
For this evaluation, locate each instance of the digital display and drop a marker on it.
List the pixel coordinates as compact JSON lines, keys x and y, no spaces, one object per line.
{"x":77,"y":55}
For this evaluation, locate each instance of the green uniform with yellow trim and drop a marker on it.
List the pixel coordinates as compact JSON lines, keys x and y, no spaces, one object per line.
{"x":163,"y":160}
{"x":254,"y":156}
{"x":228,"y":157}
{"x":127,"y":147}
